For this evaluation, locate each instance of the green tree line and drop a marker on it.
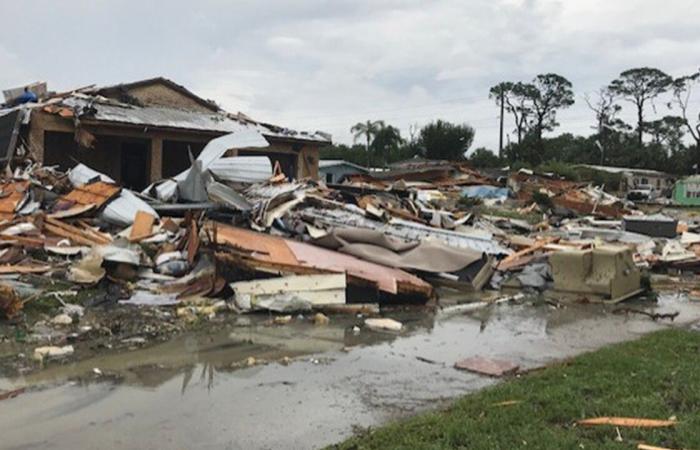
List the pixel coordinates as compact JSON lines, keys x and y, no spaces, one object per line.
{"x":670,"y":143}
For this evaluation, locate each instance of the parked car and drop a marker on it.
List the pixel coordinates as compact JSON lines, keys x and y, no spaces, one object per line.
{"x":642,"y":192}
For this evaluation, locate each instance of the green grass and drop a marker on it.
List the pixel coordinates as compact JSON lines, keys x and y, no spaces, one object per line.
{"x":657,"y":376}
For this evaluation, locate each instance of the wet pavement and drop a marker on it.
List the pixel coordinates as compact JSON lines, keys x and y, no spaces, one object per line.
{"x":195,"y":392}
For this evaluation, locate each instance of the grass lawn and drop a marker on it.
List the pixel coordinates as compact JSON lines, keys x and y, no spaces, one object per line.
{"x":657,"y":376}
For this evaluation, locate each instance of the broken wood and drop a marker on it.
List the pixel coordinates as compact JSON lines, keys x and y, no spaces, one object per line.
{"x":142,"y":227}
{"x":84,"y":236}
{"x":19,"y":268}
{"x":652,"y":316}
{"x":11,"y":394}
{"x":651,"y":447}
{"x":629,"y":422}
{"x":506,"y":403}
{"x":510,"y":259}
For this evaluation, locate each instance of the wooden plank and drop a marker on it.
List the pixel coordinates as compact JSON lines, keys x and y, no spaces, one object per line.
{"x":24,"y":241}
{"x":75,"y":234}
{"x":651,"y":447}
{"x":142,"y":227}
{"x":72,"y":212}
{"x":319,"y":298}
{"x":632,"y":422}
{"x":509,"y":260}
{"x":19,"y":268}
{"x":308,"y":283}
{"x":192,"y":241}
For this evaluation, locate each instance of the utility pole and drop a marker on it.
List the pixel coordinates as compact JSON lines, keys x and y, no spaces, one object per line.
{"x":500,"y":137}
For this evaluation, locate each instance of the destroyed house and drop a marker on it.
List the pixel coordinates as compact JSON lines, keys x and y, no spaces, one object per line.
{"x":141,"y":132}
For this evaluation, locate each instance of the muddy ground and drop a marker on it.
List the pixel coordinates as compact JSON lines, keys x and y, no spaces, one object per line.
{"x":248,"y":383}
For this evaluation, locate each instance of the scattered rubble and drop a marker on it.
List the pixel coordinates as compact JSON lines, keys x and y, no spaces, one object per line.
{"x":216,"y":240}
{"x":487,"y":366}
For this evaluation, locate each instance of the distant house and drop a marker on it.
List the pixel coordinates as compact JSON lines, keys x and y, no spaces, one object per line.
{"x":686,"y":192}
{"x":335,"y":170}
{"x":143,"y":131}
{"x":633,"y":178}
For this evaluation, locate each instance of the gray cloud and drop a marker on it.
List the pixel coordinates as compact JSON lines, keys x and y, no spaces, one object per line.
{"x":326,"y":64}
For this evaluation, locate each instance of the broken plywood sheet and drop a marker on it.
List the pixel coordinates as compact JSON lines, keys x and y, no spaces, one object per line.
{"x":73,"y":211}
{"x":262,"y":247}
{"x":387,"y":279}
{"x":12,"y":196}
{"x":487,"y":366}
{"x":275,"y":253}
{"x":97,"y":193}
{"x":290,"y":293}
{"x":142,"y":227}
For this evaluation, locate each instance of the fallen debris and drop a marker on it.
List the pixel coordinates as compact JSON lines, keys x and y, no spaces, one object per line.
{"x":651,"y":447}
{"x":6,"y":395}
{"x":487,"y":366}
{"x":41,"y":353}
{"x":631,"y":422}
{"x":286,"y":294}
{"x":10,"y":302}
{"x":384,"y":324}
{"x":652,"y":316}
{"x":608,"y":272}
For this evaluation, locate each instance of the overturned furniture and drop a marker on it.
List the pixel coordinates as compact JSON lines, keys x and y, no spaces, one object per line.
{"x":655,"y":225}
{"x":607,"y":272}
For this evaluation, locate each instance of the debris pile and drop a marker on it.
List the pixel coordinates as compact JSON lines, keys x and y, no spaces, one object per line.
{"x":217,"y":238}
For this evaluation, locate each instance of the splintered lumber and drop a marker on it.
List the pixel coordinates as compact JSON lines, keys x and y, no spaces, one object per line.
{"x":142,"y":227}
{"x":23,"y":268}
{"x":510,"y":259}
{"x":631,"y":422}
{"x":24,"y":241}
{"x":651,"y":447}
{"x":84,"y":236}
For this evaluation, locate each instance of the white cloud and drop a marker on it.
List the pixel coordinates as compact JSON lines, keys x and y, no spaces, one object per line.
{"x":326,"y":64}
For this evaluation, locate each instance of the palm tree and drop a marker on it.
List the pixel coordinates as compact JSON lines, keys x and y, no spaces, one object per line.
{"x":386,"y":139}
{"x":369,"y":130}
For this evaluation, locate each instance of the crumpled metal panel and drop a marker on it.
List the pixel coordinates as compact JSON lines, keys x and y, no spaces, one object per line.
{"x":404,"y":229}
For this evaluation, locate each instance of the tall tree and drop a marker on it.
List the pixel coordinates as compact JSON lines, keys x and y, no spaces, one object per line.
{"x":368,"y":130}
{"x":386,"y":140}
{"x":640,"y":86}
{"x":516,"y":98}
{"x":548,"y":93}
{"x":445,"y":140}
{"x":682,"y":91}
{"x":606,"y":110}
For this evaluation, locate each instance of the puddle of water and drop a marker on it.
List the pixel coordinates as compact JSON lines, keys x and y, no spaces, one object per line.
{"x":188,"y":393}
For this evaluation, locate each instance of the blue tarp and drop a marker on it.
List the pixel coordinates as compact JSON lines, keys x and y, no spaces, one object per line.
{"x":485,"y":192}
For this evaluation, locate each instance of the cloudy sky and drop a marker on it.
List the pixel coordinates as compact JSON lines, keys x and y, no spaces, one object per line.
{"x":326,"y":64}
